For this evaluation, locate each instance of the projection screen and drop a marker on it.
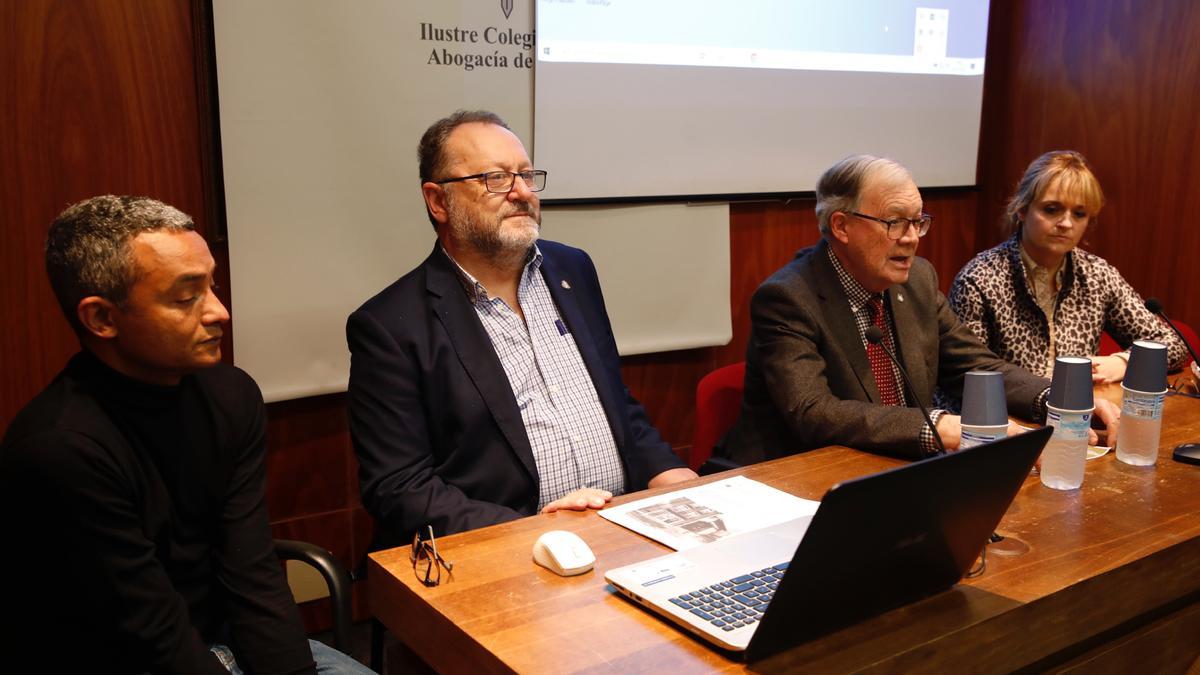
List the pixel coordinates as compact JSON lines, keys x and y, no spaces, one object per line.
{"x":668,"y":98}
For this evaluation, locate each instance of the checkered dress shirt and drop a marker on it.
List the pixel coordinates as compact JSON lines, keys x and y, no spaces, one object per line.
{"x":858,"y":298}
{"x":572,"y":441}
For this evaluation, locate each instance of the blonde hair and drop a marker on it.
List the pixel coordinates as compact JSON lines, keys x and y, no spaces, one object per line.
{"x":1066,"y":168}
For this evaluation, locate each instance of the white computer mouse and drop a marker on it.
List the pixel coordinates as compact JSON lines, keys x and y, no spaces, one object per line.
{"x":563,"y":553}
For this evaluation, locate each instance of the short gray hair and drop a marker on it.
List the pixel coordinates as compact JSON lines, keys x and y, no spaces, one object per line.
{"x":431,"y":159}
{"x":88,"y":251}
{"x":840,"y":187}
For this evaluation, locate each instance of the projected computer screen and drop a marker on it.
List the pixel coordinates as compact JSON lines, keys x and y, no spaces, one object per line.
{"x":672,"y":97}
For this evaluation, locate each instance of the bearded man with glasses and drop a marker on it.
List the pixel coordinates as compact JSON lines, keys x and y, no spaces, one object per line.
{"x":812,"y":376}
{"x":485,"y":384}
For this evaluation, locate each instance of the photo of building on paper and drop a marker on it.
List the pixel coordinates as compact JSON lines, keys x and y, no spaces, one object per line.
{"x":685,"y":518}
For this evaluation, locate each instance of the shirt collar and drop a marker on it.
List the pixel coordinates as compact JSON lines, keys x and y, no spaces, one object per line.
{"x":855,"y":293}
{"x":476,"y":291}
{"x":1035,"y":270}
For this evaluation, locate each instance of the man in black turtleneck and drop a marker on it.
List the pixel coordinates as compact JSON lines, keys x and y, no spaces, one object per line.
{"x":132,"y":488}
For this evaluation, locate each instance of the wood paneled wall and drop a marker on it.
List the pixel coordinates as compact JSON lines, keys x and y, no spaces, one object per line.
{"x":98,"y":97}
{"x":116,"y":96}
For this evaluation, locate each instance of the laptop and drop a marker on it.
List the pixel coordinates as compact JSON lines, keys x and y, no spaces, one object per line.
{"x":875,"y":543}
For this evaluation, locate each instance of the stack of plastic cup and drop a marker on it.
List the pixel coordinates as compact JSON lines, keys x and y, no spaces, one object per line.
{"x":1069,"y":410}
{"x":984,"y":410}
{"x":1144,"y":387}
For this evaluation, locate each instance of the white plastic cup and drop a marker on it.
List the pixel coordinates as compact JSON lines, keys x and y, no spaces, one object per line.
{"x":978,"y":434}
{"x":1141,"y":425}
{"x":1065,"y":454}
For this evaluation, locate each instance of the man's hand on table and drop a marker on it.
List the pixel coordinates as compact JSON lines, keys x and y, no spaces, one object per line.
{"x":593,"y":498}
{"x":950,"y":429}
{"x":579,"y":500}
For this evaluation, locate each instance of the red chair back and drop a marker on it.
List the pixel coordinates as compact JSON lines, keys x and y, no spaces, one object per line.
{"x":1107,"y":345}
{"x":1189,"y":335}
{"x":718,"y":404}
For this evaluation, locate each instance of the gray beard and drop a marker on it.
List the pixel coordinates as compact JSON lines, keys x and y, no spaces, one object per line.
{"x":489,"y":240}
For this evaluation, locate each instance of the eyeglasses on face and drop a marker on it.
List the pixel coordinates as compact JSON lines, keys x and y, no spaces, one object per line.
{"x":898,"y":227}
{"x":502,"y":181}
{"x":427,"y":562}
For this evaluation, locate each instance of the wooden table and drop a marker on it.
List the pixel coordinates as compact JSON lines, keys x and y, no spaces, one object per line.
{"x":1111,"y":578}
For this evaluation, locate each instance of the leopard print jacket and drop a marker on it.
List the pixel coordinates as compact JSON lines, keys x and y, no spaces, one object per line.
{"x":993,"y":299}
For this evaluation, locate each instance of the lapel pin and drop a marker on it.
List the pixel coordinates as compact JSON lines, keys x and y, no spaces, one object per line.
{"x":900,"y":297}
{"x":566,"y":285}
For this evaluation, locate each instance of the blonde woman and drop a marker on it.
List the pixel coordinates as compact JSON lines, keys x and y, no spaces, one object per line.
{"x":1037,"y":295}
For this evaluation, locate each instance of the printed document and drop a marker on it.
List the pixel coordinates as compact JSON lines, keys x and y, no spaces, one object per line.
{"x":687,"y":518}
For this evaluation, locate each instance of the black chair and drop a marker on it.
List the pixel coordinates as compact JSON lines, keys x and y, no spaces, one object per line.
{"x":336,"y":578}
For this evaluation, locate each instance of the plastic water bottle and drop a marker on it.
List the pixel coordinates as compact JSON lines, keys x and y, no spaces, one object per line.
{"x":1065,"y":454}
{"x":1141,"y":425}
{"x":973,"y":435}
{"x":1142,"y":403}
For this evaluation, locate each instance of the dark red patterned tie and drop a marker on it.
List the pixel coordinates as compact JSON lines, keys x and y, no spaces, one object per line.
{"x":881,"y":366}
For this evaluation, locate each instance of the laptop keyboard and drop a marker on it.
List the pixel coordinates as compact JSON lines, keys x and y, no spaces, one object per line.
{"x":734,"y":603}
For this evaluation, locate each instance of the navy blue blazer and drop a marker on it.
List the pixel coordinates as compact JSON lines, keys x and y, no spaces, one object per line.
{"x":434,"y":422}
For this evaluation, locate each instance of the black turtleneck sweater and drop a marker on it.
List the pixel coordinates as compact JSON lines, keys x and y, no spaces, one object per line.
{"x":135,"y":528}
